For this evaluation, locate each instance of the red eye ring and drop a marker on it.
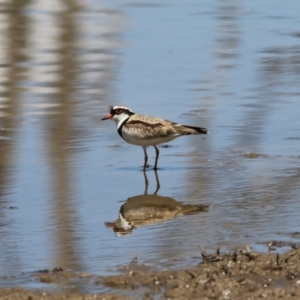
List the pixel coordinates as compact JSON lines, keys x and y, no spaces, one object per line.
{"x":119,"y":110}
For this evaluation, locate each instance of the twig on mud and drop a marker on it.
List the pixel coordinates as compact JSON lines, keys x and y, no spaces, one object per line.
{"x":248,"y":253}
{"x":290,"y":256}
{"x":271,"y":247}
{"x":203,"y":253}
{"x":286,"y":264}
{"x":248,"y":249}
{"x":283,"y":266}
{"x":209,"y":257}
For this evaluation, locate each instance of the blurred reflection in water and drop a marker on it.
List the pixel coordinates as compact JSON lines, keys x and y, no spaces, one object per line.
{"x":61,"y":144}
{"x":256,"y":97}
{"x":149,"y":209}
{"x":216,"y":91}
{"x":13,"y":38}
{"x":66,"y":122}
{"x":58,"y":61}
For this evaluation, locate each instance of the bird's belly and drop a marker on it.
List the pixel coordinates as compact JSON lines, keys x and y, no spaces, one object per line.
{"x":135,"y":139}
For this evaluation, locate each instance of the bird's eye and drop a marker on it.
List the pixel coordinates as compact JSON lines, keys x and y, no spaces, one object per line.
{"x":119,"y":110}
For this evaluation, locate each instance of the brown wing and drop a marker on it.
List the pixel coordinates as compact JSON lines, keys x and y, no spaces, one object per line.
{"x":150,"y":127}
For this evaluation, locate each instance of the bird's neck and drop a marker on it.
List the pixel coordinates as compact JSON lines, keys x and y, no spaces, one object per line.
{"x":120,"y":125}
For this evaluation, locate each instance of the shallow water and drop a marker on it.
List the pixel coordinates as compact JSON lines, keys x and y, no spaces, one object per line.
{"x":233,"y":67}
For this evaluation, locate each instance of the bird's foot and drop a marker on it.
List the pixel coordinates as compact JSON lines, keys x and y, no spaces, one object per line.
{"x":156,"y":169}
{"x":145,"y":167}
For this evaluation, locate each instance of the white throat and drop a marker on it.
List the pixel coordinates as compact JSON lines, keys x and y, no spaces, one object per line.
{"x":119,"y":119}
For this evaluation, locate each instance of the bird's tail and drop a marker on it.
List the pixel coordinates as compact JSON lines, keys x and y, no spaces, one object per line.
{"x":187,"y":209}
{"x":186,"y":129}
{"x":200,"y":130}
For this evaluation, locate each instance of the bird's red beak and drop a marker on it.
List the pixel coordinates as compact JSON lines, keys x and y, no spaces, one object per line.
{"x":107,"y":117}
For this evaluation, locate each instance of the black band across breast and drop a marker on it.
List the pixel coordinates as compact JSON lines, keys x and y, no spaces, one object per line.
{"x":121,"y":127}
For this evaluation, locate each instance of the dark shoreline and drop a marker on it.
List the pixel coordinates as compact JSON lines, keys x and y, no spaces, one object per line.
{"x":242,"y":274}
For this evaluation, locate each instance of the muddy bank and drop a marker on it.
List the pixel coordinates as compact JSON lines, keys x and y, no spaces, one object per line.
{"x":242,"y":274}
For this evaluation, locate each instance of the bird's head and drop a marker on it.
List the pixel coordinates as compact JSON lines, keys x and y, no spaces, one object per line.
{"x":119,"y":114}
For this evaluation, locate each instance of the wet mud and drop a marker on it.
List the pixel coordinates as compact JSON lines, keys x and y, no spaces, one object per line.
{"x":241,"y":274}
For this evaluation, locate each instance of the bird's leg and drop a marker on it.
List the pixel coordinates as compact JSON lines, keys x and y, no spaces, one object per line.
{"x":156,"y":159}
{"x":146,"y":183}
{"x":157,"y":183}
{"x":146,"y":158}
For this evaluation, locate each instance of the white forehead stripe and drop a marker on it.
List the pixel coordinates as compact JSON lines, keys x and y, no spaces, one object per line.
{"x":122,"y":107}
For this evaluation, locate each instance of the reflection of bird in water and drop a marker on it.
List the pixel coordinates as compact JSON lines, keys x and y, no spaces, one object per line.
{"x":143,"y":210}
